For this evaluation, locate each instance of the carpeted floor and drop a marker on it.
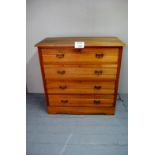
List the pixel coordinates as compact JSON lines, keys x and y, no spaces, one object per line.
{"x":76,"y":134}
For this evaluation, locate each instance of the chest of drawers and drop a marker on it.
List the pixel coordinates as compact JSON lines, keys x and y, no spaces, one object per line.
{"x":80,"y":80}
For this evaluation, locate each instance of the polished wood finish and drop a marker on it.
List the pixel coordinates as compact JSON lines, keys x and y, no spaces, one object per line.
{"x":81,"y":110}
{"x":80,"y":84}
{"x":80,"y":81}
{"x":80,"y":87}
{"x":81,"y":100}
{"x":89,"y":42}
{"x":82,"y":56}
{"x":118,"y":72}
{"x":43,"y":74}
{"x":82,"y":72}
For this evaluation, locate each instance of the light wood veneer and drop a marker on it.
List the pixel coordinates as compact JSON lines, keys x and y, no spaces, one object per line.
{"x":80,"y":80}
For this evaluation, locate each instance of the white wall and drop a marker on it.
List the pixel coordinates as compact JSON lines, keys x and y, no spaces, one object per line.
{"x":56,"y":18}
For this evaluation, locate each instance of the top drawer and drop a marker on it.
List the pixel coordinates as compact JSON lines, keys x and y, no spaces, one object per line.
{"x":81,"y":56}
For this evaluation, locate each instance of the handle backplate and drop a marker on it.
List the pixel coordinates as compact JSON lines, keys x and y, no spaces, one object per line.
{"x":63,"y":87}
{"x":64,"y":101}
{"x":99,"y":55}
{"x":98,"y":72}
{"x":61,"y":72}
{"x":60,"y":55}
{"x":97,"y":101}
{"x":97,"y":87}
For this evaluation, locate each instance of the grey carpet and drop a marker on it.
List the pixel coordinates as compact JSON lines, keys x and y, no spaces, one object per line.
{"x":75,"y":134}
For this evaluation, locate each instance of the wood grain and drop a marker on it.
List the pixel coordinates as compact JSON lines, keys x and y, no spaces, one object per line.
{"x":82,"y":56}
{"x":81,"y":81}
{"x":80,"y":84}
{"x":80,"y":87}
{"x":89,"y":42}
{"x":81,"y":110}
{"x":79,"y":72}
{"x":43,"y":74}
{"x":118,"y":73}
{"x":80,"y":91}
{"x":82,"y":101}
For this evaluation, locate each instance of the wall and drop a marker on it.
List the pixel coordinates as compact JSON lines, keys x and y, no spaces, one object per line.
{"x":56,"y":18}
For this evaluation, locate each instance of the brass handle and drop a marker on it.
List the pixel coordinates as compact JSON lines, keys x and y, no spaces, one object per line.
{"x":62,"y":87}
{"x":97,"y":101}
{"x":60,"y":55}
{"x":97,"y":87}
{"x":64,"y":101}
{"x":99,"y":55}
{"x":61,"y":72}
{"x":98,"y":72}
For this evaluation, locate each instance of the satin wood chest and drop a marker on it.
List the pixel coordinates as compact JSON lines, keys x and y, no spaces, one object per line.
{"x":81,"y":80}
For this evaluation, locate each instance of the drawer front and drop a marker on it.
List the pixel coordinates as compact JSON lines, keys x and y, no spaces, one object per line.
{"x":80,"y":72}
{"x":80,"y":87}
{"x":85,"y":56}
{"x":81,"y":110}
{"x":81,"y":100}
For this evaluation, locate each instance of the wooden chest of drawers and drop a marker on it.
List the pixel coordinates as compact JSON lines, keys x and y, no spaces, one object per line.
{"x":80,"y":80}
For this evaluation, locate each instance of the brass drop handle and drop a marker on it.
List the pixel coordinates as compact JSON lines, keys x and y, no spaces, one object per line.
{"x":97,"y":101}
{"x":97,"y":87}
{"x":99,"y":55}
{"x":64,"y":101}
{"x":61,"y":72}
{"x":98,"y":72}
{"x":60,"y":55}
{"x":62,"y":87}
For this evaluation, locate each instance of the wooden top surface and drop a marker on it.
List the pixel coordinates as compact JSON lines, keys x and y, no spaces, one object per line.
{"x":89,"y":42}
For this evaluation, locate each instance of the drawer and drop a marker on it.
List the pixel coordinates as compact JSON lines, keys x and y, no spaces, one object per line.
{"x":84,"y":72}
{"x":80,"y":87}
{"x":80,"y":56}
{"x":81,"y":110}
{"x":81,"y":100}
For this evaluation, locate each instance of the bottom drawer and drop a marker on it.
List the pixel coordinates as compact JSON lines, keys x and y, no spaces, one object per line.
{"x":81,"y":100}
{"x":81,"y":110}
